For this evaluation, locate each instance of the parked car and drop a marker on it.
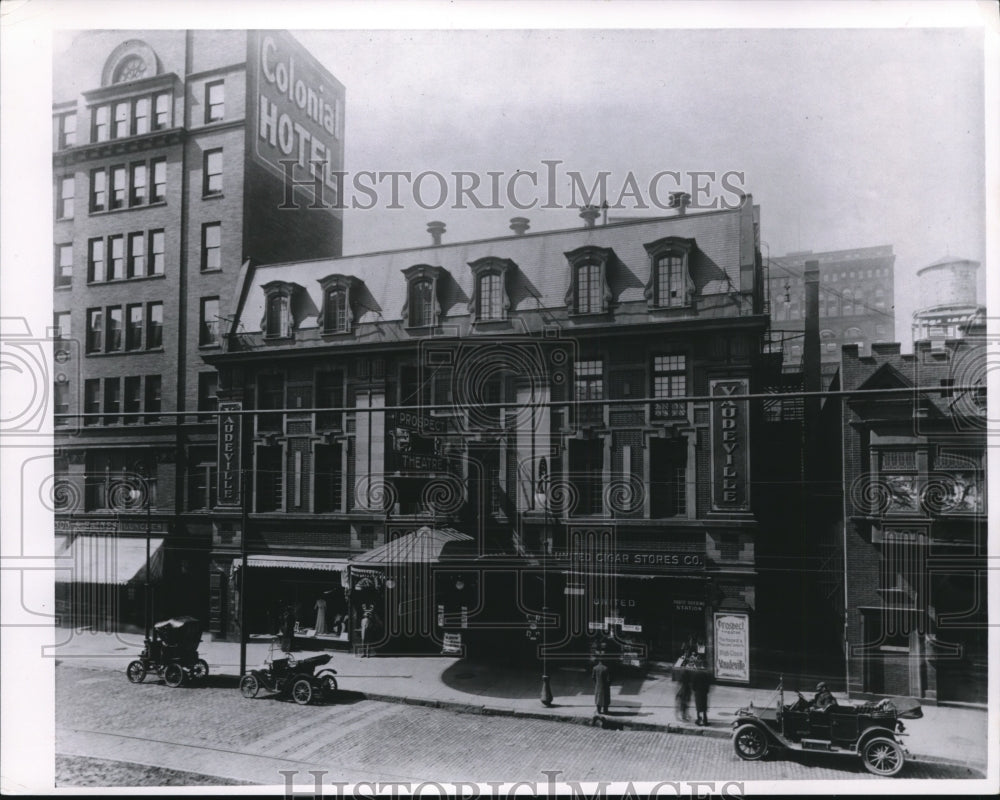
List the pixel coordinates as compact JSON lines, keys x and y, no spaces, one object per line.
{"x":871,"y":731}
{"x":172,"y":652}
{"x":291,"y":677}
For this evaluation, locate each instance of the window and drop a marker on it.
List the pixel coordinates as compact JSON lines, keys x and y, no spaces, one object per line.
{"x":159,"y":181}
{"x":848,"y":302}
{"x":270,"y":395}
{"x":133,"y":326}
{"x":112,"y":400}
{"x":270,"y":479}
{"x":335,"y":310}
{"x":490,"y":301}
{"x":105,"y":469}
{"x":67,"y":189}
{"x":669,"y":380}
{"x":116,"y":263}
{"x":102,"y":124}
{"x":215,"y":101}
{"x":211,"y":246}
{"x":881,"y":330}
{"x":98,"y":190}
{"x":153,"y":398}
{"x":141,"y":116}
{"x":137,"y":195}
{"x":162,"y":111}
{"x":963,"y":485}
{"x":95,"y":330}
{"x":114,"y":316}
{"x":208,"y":329}
{"x":202,"y":478}
{"x":329,"y":394}
{"x":421,"y":303}
{"x":667,"y":477}
{"x":67,"y":130}
{"x":829,"y":339}
{"x":328,"y":478}
{"x":91,"y":400}
{"x":122,"y":126}
{"x":130,"y":69}
{"x":156,"y":257}
{"x":133,"y":399}
{"x":588,"y":288}
{"x":119,"y":187}
{"x":670,"y":288}
{"x":589,"y":385}
{"x":64,"y":264}
{"x":61,"y":323}
{"x":208,"y":391}
{"x":278,"y":323}
{"x":154,"y":325}
{"x":213,"y":172}
{"x":95,"y":260}
{"x":60,"y":402}
{"x":136,"y":255}
{"x":586,"y":465}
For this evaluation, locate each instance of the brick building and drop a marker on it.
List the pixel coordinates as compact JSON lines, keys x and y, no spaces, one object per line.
{"x":534,"y":393}
{"x":855,"y":301}
{"x":167,"y":176}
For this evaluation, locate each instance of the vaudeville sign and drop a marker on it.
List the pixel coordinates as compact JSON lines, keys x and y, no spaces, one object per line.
{"x":730,"y":454}
{"x":732,"y":647}
{"x":230,"y":446}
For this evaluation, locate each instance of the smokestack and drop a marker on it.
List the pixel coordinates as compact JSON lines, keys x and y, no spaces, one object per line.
{"x":435,"y":229}
{"x":810,"y":344}
{"x":589,"y":215}
{"x":519,"y":225}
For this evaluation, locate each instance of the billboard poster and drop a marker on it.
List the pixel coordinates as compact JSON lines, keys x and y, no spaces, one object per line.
{"x":732,"y":647}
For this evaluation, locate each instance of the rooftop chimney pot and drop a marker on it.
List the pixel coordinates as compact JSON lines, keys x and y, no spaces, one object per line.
{"x":680,"y":201}
{"x":519,"y":225}
{"x":590,"y":215}
{"x":436,"y":230}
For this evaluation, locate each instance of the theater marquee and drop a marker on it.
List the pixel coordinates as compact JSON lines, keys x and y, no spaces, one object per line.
{"x":730,"y":453}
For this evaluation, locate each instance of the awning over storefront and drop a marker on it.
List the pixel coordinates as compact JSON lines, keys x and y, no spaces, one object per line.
{"x":424,"y":546}
{"x":298,"y":562}
{"x":113,"y":560}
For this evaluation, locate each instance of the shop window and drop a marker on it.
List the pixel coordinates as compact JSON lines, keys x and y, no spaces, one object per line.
{"x":490,"y":301}
{"x":586,"y":465}
{"x":328,"y":479}
{"x":211,"y":246}
{"x":154,"y":398}
{"x":112,"y":400}
{"x":91,"y":401}
{"x":270,"y":395}
{"x":212,"y":173}
{"x":588,"y":379}
{"x":422,"y":308}
{"x":67,"y":130}
{"x":208,"y":394}
{"x":67,"y":190}
{"x":270,"y":483}
{"x":215,"y":101}
{"x":95,"y":330}
{"x":154,"y":326}
{"x":208,"y":324}
{"x":329,"y":395}
{"x":133,"y":399}
{"x":64,"y":265}
{"x":669,"y":380}
{"x":133,"y":326}
{"x":667,"y":477}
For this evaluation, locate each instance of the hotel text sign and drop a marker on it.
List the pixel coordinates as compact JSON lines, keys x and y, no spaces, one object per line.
{"x":230,"y":449}
{"x":730,"y":454}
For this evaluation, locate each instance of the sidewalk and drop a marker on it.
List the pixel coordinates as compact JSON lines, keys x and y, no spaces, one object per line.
{"x":638,"y":702}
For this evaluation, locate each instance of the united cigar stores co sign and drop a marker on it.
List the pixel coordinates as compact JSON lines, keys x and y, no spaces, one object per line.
{"x":298,"y":112}
{"x":730,"y":453}
{"x":230,"y":450}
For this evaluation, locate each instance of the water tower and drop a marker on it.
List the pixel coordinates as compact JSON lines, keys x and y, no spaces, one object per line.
{"x":951,"y":284}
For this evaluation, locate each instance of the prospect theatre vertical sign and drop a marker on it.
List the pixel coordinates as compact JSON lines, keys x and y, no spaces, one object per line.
{"x":732,"y":647}
{"x":230,"y":449}
{"x":730,"y":454}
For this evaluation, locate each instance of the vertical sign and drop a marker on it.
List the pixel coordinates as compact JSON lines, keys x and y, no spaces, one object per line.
{"x":230,"y":450}
{"x":732,"y":647}
{"x":730,"y":454}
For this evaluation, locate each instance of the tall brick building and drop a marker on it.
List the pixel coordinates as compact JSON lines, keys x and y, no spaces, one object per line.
{"x":167,"y":176}
{"x":530,"y":395}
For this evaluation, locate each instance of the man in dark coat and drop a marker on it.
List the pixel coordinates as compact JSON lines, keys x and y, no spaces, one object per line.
{"x":602,"y":687}
{"x":288,"y":628}
{"x":824,"y":697}
{"x":701,"y":678}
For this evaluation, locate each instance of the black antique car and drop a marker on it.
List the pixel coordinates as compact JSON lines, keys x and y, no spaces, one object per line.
{"x":172,"y":652}
{"x":291,"y":677}
{"x":870,"y":730}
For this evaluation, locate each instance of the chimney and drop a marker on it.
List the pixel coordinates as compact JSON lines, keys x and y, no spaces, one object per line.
{"x":435,"y":229}
{"x":811,"y":375}
{"x":680,"y":201}
{"x":519,"y":225}
{"x":589,"y":215}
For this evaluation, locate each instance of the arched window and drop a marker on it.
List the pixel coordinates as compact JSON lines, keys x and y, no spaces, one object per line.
{"x":277,"y":315}
{"x":335,"y":310}
{"x":670,"y":284}
{"x":277,"y":322}
{"x":130,"y":69}
{"x":490,"y":299}
{"x":588,"y":288}
{"x":421,"y":303}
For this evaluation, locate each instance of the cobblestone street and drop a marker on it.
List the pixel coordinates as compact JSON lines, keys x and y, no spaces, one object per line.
{"x":213,"y":730}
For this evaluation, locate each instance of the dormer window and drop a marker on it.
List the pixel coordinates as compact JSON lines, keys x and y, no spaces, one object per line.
{"x":490,"y":301}
{"x":422,"y":308}
{"x":337,"y":315}
{"x":589,"y":292}
{"x":277,"y":322}
{"x":670,"y":284}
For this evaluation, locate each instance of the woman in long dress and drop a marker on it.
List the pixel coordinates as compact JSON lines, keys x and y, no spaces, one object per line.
{"x":320,"y":615}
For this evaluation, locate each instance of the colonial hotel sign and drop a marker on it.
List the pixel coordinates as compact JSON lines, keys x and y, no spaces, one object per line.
{"x":730,"y":454}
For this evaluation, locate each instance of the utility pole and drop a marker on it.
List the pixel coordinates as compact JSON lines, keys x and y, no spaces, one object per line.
{"x":243,"y":571}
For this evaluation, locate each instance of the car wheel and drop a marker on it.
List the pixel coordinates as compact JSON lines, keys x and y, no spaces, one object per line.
{"x":249,"y":686}
{"x":200,"y":669}
{"x":329,"y":686}
{"x":750,"y":743}
{"x":302,"y":691}
{"x":882,"y":756}
{"x":136,"y":672}
{"x":173,"y":675}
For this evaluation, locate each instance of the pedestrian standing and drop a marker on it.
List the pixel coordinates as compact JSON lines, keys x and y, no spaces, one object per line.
{"x":288,"y":629}
{"x":684,"y":692}
{"x":602,"y":687}
{"x":367,"y":621}
{"x":701,"y":680}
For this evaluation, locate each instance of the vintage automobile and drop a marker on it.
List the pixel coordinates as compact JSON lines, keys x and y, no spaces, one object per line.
{"x":171,"y":651}
{"x":869,"y":730}
{"x":290,"y":677}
